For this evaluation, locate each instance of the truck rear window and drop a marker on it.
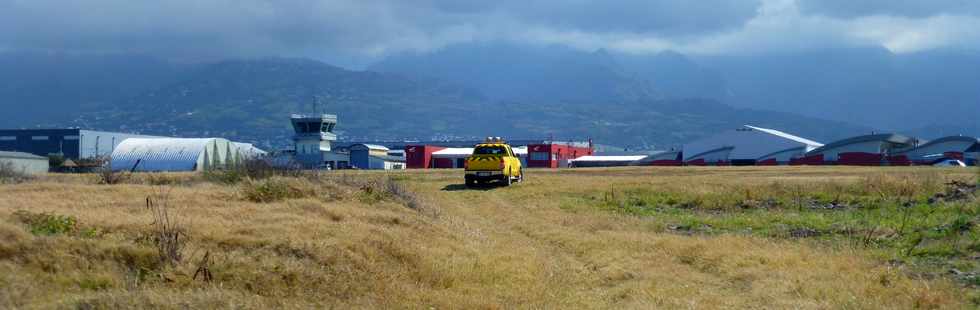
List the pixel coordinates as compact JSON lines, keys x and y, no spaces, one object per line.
{"x":490,"y":150}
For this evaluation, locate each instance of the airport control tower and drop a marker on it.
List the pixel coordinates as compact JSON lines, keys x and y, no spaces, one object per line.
{"x":312,"y":137}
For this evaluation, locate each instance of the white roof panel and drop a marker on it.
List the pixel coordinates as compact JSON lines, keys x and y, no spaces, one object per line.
{"x":809,"y":143}
{"x":376,"y":147}
{"x":467,"y":151}
{"x":6,"y":154}
{"x":454,"y":151}
{"x":609,"y":158}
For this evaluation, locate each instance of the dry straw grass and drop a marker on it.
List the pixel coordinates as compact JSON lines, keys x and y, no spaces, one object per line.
{"x":352,"y":242}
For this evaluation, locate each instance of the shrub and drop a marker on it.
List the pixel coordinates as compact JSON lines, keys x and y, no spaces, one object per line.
{"x":387,"y":188}
{"x":47,"y":224}
{"x":55,"y":160}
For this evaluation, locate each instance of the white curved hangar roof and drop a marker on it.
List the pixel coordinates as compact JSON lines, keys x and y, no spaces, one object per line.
{"x":748,"y":143}
{"x":174,"y":154}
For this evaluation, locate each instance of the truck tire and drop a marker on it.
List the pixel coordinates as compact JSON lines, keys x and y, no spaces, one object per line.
{"x":507,"y":180}
{"x":520,"y":177}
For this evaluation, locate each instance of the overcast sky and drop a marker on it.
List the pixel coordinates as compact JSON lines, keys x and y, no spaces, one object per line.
{"x":356,"y":31}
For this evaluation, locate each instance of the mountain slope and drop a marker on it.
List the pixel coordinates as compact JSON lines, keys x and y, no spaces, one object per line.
{"x":51,"y":88}
{"x":861,"y":85}
{"x":251,"y":100}
{"x":519,"y":72}
{"x":675,"y":75}
{"x":869,"y":86}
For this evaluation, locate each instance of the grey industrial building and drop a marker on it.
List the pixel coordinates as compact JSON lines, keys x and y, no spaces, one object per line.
{"x":73,"y":144}
{"x":371,"y":156}
{"x":21,"y":162}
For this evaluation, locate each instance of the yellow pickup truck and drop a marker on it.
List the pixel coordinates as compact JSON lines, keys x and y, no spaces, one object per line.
{"x":493,"y":160}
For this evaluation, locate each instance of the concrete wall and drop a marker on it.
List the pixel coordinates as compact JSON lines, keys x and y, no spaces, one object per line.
{"x":26,"y":165}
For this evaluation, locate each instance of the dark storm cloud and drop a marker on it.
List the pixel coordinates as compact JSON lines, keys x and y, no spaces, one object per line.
{"x":373,"y":28}
{"x":900,"y":8}
{"x":276,"y":27}
{"x":637,"y":16}
{"x":187,"y":26}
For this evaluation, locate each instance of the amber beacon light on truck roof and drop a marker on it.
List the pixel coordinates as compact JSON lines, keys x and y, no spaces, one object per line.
{"x":493,"y":140}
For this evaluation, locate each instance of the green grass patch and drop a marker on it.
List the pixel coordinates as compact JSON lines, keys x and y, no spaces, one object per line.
{"x":47,"y":224}
{"x":908,"y":221}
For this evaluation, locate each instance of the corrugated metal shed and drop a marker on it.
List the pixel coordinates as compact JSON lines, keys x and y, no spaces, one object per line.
{"x":173,"y":154}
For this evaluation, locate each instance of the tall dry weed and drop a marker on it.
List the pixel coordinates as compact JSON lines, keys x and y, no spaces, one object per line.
{"x":105,"y":175}
{"x":277,"y":189}
{"x":168,"y":233}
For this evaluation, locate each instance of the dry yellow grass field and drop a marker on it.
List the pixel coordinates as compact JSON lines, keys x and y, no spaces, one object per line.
{"x":344,"y":241}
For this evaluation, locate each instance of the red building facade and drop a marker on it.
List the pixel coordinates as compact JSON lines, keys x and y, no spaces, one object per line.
{"x":556,"y":154}
{"x":540,"y":155}
{"x":420,"y":156}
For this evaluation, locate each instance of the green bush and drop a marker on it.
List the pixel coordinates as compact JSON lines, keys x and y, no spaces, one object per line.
{"x":55,"y":160}
{"x":47,"y":224}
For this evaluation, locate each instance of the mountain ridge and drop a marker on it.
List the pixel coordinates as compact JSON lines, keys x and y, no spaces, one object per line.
{"x":250,"y":100}
{"x":868,"y":86}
